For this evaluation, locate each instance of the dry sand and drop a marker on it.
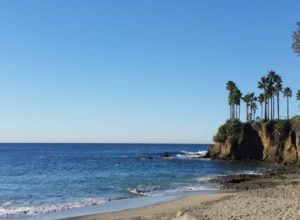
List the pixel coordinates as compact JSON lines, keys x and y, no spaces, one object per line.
{"x":280,"y":201}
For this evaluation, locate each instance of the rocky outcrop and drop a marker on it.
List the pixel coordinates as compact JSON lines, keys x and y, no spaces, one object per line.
{"x":273,"y":141}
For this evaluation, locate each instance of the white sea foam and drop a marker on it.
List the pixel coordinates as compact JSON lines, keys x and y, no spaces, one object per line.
{"x":164,"y":192}
{"x":250,"y":172}
{"x":207,"y":178}
{"x":140,"y":192}
{"x":215,"y":176}
{"x":6,"y":204}
{"x":191,"y":155}
{"x":189,"y":189}
{"x":7,"y":209}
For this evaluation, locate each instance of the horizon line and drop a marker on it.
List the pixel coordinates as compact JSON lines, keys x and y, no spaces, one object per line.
{"x":154,"y":143}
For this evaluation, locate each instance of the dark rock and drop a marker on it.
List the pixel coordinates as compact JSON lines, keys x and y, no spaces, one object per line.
{"x":147,"y":158}
{"x":166,"y":155}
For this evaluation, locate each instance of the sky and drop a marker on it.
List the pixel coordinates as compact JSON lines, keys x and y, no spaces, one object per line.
{"x":143,"y":71}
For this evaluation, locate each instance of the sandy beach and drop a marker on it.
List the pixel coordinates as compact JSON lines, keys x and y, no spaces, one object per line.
{"x":165,"y":210}
{"x":266,"y":197}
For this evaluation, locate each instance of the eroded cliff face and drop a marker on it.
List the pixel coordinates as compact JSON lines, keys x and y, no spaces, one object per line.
{"x":261,"y":141}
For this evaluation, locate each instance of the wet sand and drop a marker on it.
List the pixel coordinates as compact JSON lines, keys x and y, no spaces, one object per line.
{"x":272,"y":196}
{"x":159,"y":211}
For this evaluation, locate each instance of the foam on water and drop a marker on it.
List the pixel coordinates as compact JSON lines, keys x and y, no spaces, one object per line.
{"x":155,"y":192}
{"x":207,"y":178}
{"x":8,"y":209}
{"x":191,"y":155}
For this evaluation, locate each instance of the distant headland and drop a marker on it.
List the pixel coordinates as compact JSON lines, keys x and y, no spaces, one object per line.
{"x":264,"y":137}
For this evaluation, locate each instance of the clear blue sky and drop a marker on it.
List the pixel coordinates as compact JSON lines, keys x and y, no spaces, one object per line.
{"x":135,"y":71}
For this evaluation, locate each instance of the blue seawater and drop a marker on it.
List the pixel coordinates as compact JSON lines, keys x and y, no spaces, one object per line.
{"x":42,"y":178}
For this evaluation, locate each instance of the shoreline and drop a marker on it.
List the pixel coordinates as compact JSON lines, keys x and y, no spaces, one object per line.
{"x":155,"y":210}
{"x":274,"y":195}
{"x":123,"y":205}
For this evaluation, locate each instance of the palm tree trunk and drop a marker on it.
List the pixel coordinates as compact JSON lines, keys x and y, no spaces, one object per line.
{"x":271,"y":101}
{"x":278,"y":105}
{"x":288,"y":112}
{"x":247,"y":114}
{"x":265,"y":108}
{"x":235,"y":116}
{"x":273,"y":107}
{"x":268,"y":109}
{"x":268,"y":106}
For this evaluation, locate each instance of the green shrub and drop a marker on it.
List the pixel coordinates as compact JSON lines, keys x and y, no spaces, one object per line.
{"x":232,"y":128}
{"x":221,"y":134}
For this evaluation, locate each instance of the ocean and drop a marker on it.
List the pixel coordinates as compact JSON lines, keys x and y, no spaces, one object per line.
{"x":37,"y":180}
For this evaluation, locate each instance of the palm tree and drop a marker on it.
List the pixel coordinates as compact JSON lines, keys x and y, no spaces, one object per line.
{"x":237,"y":95}
{"x":287,"y":92}
{"x":270,"y":95}
{"x":271,"y":90}
{"x":277,"y":90}
{"x":253,"y":109}
{"x":261,"y":101}
{"x":272,"y":86}
{"x":234,"y":99}
{"x":253,"y":106}
{"x":298,"y":97}
{"x":248,"y":99}
{"x":230,"y":86}
{"x":264,"y":85}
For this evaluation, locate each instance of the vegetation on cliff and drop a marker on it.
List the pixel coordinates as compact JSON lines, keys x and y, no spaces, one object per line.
{"x":232,"y":128}
{"x":276,"y":128}
{"x":272,"y":140}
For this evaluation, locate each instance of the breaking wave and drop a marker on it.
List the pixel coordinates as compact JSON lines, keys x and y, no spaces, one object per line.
{"x":7,"y":209}
{"x":156,"y":191}
{"x":191,"y":155}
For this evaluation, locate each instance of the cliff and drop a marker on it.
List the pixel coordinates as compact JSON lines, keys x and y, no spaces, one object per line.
{"x":271,"y":141}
